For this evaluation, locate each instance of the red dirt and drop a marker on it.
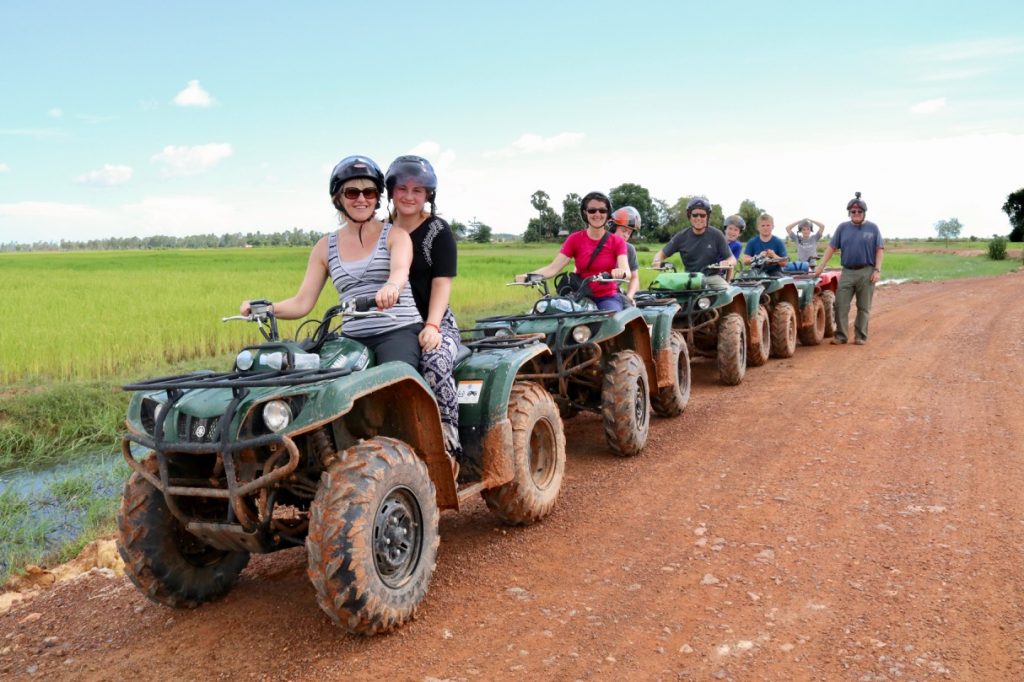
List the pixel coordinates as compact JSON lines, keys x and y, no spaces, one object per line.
{"x":885,"y":542}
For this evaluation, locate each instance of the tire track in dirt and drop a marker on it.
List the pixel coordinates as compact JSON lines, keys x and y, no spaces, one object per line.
{"x":850,"y":513}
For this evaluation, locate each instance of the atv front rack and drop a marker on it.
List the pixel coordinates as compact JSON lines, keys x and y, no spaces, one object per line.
{"x":238,"y":379}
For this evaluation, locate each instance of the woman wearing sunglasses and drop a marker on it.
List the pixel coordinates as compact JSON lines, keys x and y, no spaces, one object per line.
{"x":594,"y":250}
{"x":364,"y":257}
{"x":411,"y":183}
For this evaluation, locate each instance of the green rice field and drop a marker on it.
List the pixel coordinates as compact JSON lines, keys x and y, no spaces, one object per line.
{"x":92,"y":315}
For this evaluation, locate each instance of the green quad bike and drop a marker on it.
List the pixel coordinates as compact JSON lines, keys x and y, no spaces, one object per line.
{"x":312,"y":443}
{"x":780,"y":306}
{"x":601,"y":361}
{"x":716,"y":322}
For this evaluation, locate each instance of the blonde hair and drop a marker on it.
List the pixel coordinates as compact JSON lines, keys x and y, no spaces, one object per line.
{"x":765,"y":216}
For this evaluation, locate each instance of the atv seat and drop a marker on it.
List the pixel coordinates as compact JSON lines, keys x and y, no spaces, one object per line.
{"x":461,"y":354}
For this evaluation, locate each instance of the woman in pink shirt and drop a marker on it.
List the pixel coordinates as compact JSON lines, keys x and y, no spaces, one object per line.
{"x":581,"y":246}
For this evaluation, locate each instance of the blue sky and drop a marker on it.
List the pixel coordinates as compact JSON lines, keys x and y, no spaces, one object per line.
{"x":122,"y":119}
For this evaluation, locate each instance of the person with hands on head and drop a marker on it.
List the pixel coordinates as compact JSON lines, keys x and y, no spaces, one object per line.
{"x":861,"y":248}
{"x":594,"y":250}
{"x":768,"y":244}
{"x":411,"y":183}
{"x":625,"y":221}
{"x":697,"y":246}
{"x":806,"y":241}
{"x":363,"y":258}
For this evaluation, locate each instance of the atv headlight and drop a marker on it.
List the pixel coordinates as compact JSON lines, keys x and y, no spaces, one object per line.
{"x":244,"y":360}
{"x":502,"y":332}
{"x":540,"y":307}
{"x":703,"y":302}
{"x":277,"y":415}
{"x":581,"y":334}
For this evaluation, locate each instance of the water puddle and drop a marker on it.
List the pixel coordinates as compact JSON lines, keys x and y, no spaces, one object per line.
{"x":43,"y":511}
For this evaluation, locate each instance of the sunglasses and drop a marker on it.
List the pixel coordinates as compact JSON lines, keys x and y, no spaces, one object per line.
{"x":698,"y":215}
{"x":592,"y":211}
{"x":855,"y":211}
{"x":352,"y":193}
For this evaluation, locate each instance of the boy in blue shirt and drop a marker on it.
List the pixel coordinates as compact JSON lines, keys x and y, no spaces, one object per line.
{"x":767,"y":243}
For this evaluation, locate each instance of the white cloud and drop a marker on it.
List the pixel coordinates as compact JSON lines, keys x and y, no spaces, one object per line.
{"x":957,"y":74}
{"x":108,"y":176}
{"x":55,"y":112}
{"x":929,"y":106}
{"x":193,"y":96}
{"x":184,"y":160}
{"x":441,"y":160}
{"x":991,"y":48}
{"x":530,"y":143}
{"x":4,"y":168}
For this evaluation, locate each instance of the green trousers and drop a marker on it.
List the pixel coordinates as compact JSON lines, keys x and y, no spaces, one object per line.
{"x":854,"y":283}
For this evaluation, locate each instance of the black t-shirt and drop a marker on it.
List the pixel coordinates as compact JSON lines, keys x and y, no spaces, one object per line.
{"x":433,"y":255}
{"x":698,"y":251}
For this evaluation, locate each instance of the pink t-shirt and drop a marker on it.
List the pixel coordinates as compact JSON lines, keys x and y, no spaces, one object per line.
{"x":579,"y":246}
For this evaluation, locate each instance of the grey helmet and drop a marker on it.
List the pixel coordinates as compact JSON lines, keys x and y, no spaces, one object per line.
{"x":857,"y":201}
{"x":698,"y":202}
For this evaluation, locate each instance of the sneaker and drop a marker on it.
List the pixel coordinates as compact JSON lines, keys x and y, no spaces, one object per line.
{"x":837,"y":342}
{"x":860,"y":342}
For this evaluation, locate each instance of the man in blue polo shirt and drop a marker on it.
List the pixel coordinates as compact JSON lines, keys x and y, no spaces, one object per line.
{"x":860,"y":244}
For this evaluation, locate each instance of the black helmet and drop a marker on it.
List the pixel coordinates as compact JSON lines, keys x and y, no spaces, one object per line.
{"x":627,"y":216}
{"x":698,"y":202}
{"x":736,"y":220}
{"x":352,"y":167}
{"x":590,"y":197}
{"x":857,"y":201}
{"x":409,"y":167}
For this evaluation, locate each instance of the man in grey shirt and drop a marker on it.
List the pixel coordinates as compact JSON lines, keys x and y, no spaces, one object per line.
{"x":699,"y":247}
{"x":860,"y":243}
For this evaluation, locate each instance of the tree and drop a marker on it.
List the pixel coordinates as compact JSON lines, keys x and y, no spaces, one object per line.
{"x":572,"y":221}
{"x":458,"y":230}
{"x":750,"y":213}
{"x":550,"y":222}
{"x":630,"y":194}
{"x":947,"y":229}
{"x":1014,"y":207}
{"x":479,"y":232}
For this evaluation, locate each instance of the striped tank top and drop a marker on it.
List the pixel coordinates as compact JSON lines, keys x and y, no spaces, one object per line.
{"x":365,"y":278}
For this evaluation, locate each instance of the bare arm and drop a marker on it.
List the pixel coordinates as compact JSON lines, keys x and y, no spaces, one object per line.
{"x":829,"y":250}
{"x":400,"y":249}
{"x":877,"y":274}
{"x":658,"y":258}
{"x":554,"y":267}
{"x":622,"y":264}
{"x":789,"y":228}
{"x":303,"y":301}
{"x":440,"y":294}
{"x":821,"y":227}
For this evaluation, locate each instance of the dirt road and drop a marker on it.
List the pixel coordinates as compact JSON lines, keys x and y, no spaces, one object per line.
{"x":853,"y":513}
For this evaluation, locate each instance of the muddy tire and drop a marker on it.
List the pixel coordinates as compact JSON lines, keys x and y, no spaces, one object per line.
{"x":167,"y":563}
{"x":732,"y":349}
{"x":758,"y":353}
{"x":372,"y":542}
{"x":670,"y":401}
{"x":813,"y":335}
{"x":828,"y":300}
{"x":783,"y":330}
{"x":538,"y":458}
{"x":625,"y":404}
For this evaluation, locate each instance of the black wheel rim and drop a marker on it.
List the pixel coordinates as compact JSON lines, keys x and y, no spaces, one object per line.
{"x":397,"y":537}
{"x":640,"y":403}
{"x":541,"y":454}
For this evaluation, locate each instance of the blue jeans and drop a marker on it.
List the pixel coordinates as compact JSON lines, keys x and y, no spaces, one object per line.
{"x":609,"y":303}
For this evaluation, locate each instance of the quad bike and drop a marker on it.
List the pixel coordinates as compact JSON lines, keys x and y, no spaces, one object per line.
{"x":714,"y":321}
{"x":825,"y":286}
{"x":601,"y":361}
{"x":780,"y":300}
{"x":313,"y":443}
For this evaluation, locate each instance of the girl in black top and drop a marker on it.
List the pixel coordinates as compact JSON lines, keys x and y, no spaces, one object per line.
{"x":411,"y":183}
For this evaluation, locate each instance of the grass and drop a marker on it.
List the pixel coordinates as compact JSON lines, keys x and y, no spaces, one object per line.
{"x":78,"y":325}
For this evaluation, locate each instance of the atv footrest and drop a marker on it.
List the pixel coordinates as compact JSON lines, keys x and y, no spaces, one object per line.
{"x":228,"y":536}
